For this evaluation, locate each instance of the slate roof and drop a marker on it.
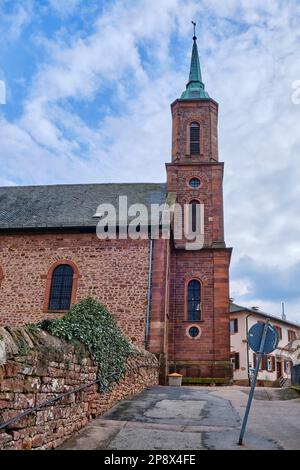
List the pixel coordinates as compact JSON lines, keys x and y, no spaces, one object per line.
{"x":69,"y":205}
{"x":234,"y":308}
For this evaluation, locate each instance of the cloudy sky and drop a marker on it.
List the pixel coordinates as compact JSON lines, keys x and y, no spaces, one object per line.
{"x":88,"y":90}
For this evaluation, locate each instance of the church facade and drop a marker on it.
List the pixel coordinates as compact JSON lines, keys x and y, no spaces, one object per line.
{"x":166,"y":297}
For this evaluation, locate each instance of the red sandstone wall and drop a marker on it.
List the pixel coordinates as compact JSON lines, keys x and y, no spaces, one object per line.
{"x":29,"y":377}
{"x":209,"y":193}
{"x":208,"y":355}
{"x":113,"y":272}
{"x":159,"y":314}
{"x":206,"y":114}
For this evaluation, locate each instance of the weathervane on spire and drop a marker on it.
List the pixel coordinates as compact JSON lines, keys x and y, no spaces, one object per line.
{"x":194,"y":24}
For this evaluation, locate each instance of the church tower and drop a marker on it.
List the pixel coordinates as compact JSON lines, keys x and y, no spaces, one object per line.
{"x":198,"y":320}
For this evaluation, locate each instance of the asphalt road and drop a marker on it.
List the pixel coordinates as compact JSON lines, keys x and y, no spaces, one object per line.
{"x":194,"y":418}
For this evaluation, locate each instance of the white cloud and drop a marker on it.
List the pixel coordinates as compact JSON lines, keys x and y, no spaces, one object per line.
{"x":12,"y":24}
{"x":65,"y":7}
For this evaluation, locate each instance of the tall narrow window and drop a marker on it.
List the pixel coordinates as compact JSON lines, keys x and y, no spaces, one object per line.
{"x":195,"y":208}
{"x":61,"y":288}
{"x":291,"y":333}
{"x":234,"y":326}
{"x":194,"y":300}
{"x":235,"y":360}
{"x":279,"y":332}
{"x":194,"y":139}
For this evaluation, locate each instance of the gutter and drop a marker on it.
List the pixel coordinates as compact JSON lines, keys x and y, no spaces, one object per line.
{"x":149,"y":294}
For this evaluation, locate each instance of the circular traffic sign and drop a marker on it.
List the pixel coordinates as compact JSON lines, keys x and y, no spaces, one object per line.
{"x":255,"y":336}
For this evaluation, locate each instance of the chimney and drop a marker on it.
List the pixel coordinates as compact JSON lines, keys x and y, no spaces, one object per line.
{"x":283,"y":315}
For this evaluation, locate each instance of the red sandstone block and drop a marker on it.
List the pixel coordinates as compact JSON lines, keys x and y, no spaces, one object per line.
{"x":11,"y":369}
{"x":55,"y":372}
{"x":25,"y":422}
{"x":6,"y":396}
{"x":23,"y":401}
{"x":4,"y":404}
{"x":4,"y":438}
{"x":54,"y":364}
{"x":22,"y":433}
{"x":13,"y":445}
{"x":37,"y":441}
{"x":27,"y":443}
{"x":12,"y":384}
{"x":32,"y":384}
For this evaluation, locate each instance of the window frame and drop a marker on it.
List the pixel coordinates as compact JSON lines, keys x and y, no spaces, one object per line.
{"x":49,"y":281}
{"x":279,"y":331}
{"x":187,"y":331}
{"x":194,"y":202}
{"x":235,"y":360}
{"x":291,"y":333}
{"x":186,"y":317}
{"x":195,"y":125}
{"x":236,"y":326}
{"x":194,"y":178}
{"x":287,"y":367}
{"x":270,"y":363}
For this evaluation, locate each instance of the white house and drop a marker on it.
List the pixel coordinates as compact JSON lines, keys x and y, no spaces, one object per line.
{"x":275,"y":366}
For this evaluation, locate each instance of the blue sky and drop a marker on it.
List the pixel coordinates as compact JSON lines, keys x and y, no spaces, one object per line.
{"x":89,"y":86}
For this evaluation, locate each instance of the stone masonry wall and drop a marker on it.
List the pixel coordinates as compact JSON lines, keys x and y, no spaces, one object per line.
{"x":35,"y":367}
{"x":115,"y":272}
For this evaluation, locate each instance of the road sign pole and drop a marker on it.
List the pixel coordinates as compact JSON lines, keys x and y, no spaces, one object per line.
{"x":253,"y":383}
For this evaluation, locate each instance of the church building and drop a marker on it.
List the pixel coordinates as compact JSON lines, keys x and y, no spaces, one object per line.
{"x":167,"y":298}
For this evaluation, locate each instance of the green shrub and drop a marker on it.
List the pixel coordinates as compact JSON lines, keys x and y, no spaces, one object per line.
{"x":91,"y":324}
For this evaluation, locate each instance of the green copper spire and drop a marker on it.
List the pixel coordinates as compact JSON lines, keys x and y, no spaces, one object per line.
{"x":195,"y":88}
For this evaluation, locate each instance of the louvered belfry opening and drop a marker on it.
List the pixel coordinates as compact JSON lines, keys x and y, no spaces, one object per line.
{"x":194,"y":139}
{"x":61,"y":288}
{"x":194,"y":300}
{"x":194,"y":205}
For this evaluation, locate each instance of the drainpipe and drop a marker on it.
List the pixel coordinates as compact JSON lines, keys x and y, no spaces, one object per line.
{"x":149,"y":295}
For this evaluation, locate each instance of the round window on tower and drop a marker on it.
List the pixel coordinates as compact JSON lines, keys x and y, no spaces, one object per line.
{"x":194,"y":183}
{"x":193,"y":332}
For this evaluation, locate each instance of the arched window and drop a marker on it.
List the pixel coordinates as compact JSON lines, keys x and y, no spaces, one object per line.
{"x":61,"y":287}
{"x":194,"y":300}
{"x":194,"y":138}
{"x":194,"y":205}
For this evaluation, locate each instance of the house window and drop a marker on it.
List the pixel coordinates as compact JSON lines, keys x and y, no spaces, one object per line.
{"x":235,"y":360}
{"x":194,"y":300}
{"x":234,"y":326}
{"x":291,"y":335}
{"x":194,"y":139}
{"x":279,"y":331}
{"x":195,"y":212}
{"x":61,"y":287}
{"x":287,"y":367}
{"x":270,"y":363}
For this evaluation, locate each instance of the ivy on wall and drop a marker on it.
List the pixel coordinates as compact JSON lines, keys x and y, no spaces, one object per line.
{"x":89,"y":323}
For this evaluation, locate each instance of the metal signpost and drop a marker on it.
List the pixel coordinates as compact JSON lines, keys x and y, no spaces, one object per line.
{"x":262,"y":339}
